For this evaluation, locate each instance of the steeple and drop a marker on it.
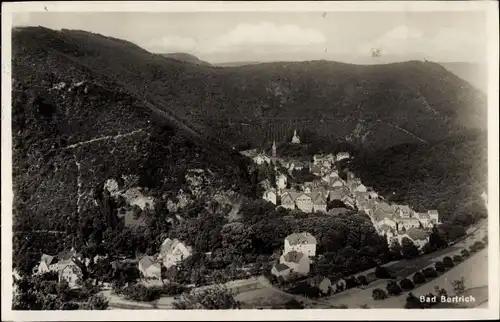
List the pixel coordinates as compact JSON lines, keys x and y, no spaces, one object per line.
{"x":295,"y":138}
{"x":274,"y":149}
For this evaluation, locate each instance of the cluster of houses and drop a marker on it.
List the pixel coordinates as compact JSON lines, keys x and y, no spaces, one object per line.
{"x":298,"y":254}
{"x":393,"y":221}
{"x":171,"y":253}
{"x":70,"y":266}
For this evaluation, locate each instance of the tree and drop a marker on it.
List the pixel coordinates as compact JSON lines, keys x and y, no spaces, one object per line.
{"x":429,"y":272}
{"x":457,"y":258}
{"x":96,"y":302}
{"x":418,"y":278}
{"x":465,"y":253}
{"x":412,"y":302}
{"x":448,"y":262}
{"x":393,"y":288}
{"x":216,"y":298}
{"x":459,"y":286}
{"x":436,"y":240}
{"x":408,"y":248}
{"x":439,"y":267}
{"x":406,"y":284}
{"x":379,"y":294}
{"x":382,"y":272}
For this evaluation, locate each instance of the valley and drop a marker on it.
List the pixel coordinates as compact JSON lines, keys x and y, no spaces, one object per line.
{"x":163,"y":176}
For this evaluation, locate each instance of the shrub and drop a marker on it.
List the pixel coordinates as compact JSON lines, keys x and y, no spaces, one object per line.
{"x":139,"y":292}
{"x":382,"y":272}
{"x":418,"y":278}
{"x":379,"y":294}
{"x":393,"y":288}
{"x":406,"y":284}
{"x":448,"y":262}
{"x":465,"y":253}
{"x":457,"y":258}
{"x":430,"y":272}
{"x":439,"y":267}
{"x":479,"y":245}
{"x":213,"y":298}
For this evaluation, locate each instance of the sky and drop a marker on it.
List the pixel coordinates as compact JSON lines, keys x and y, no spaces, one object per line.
{"x":218,"y":37}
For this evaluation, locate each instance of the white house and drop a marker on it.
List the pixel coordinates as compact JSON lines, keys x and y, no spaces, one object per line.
{"x":424,"y":219}
{"x":302,"y":242}
{"x":70,"y":271}
{"x":361,"y":188}
{"x":173,"y":252}
{"x":408,"y":223}
{"x":149,"y":268}
{"x":297,"y":261}
{"x":434,"y":214}
{"x":270,"y":195}
{"x":281,"y":270}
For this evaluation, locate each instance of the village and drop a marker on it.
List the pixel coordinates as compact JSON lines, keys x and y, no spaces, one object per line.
{"x":392,"y":221}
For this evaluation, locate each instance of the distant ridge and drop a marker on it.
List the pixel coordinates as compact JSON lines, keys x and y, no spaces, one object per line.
{"x":186,"y":58}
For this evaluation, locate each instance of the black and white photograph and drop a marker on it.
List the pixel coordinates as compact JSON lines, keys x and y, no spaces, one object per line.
{"x":266,"y":156}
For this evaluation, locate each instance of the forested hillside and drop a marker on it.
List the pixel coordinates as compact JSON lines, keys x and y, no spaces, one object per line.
{"x":89,"y":108}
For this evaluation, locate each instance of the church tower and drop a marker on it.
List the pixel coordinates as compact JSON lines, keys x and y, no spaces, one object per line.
{"x":295,"y":139}
{"x":274,"y":149}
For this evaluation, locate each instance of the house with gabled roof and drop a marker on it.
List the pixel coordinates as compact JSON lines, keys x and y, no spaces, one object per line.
{"x":302,"y":242}
{"x":407,"y":223}
{"x":287,"y":200}
{"x":297,"y":261}
{"x":424,"y":219}
{"x":434,"y":215}
{"x":47,"y":264}
{"x":173,"y":251}
{"x":281,"y":270}
{"x":149,"y":268}
{"x":404,"y":211}
{"x":70,"y":270}
{"x":271,"y":195}
{"x":304,"y":202}
{"x":319,"y":201}
{"x":337,"y":193}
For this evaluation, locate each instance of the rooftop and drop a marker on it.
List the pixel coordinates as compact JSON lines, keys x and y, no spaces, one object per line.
{"x":301,"y":238}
